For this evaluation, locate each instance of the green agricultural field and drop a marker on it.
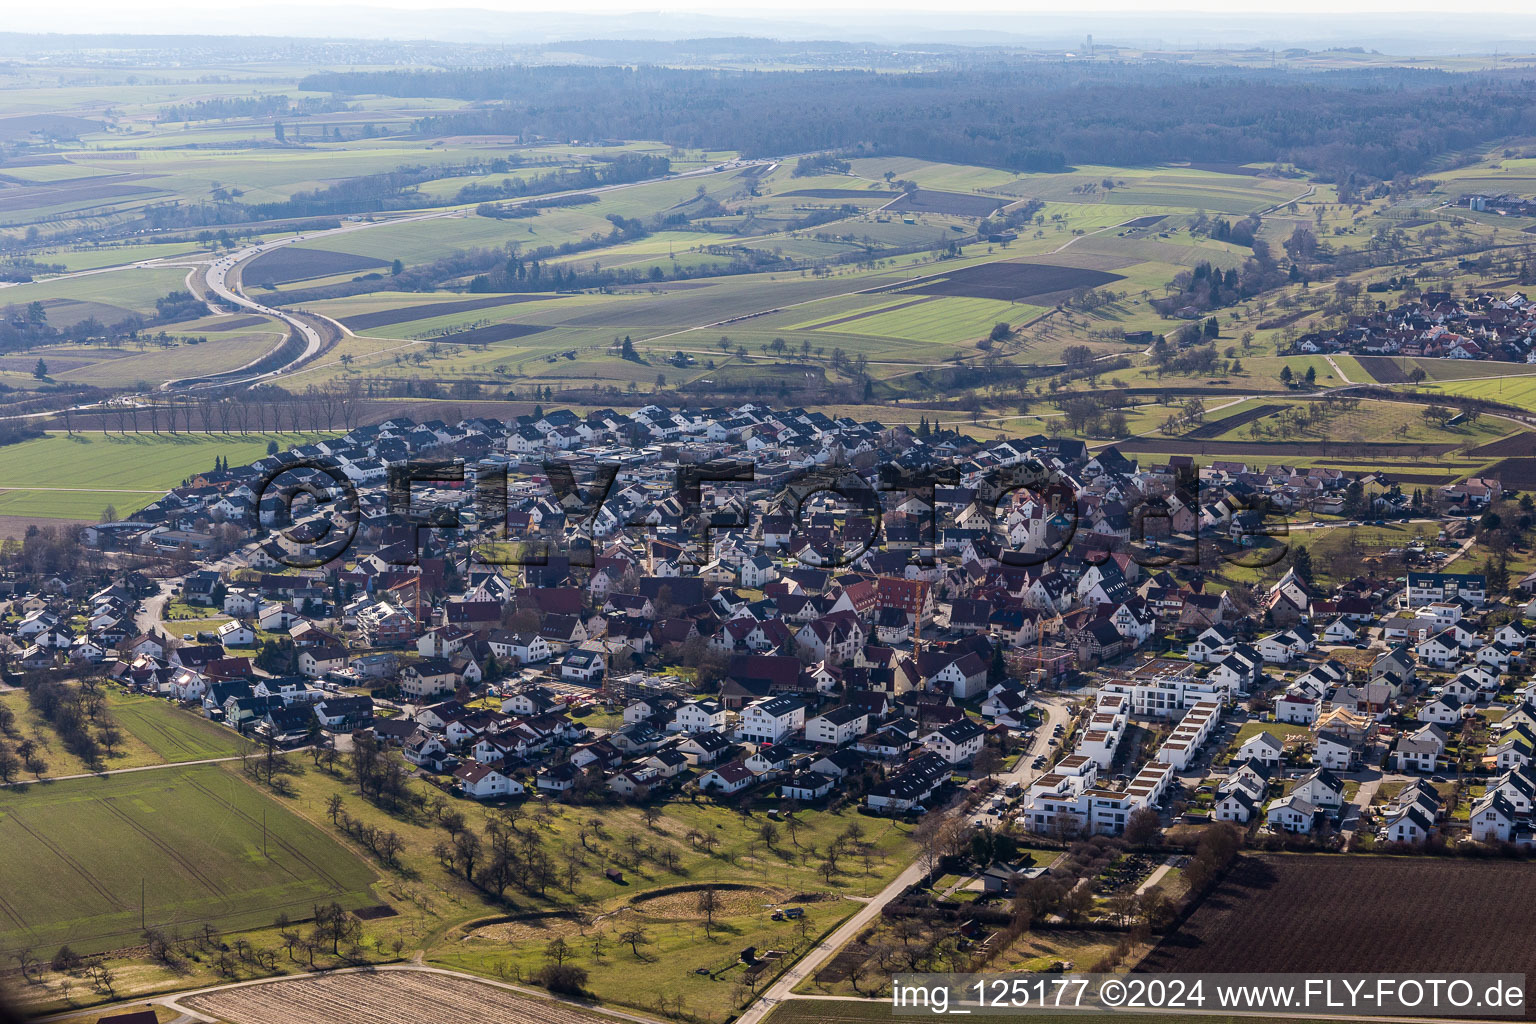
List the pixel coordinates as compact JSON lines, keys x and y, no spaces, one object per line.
{"x":134,"y":288}
{"x":152,"y":732}
{"x":116,"y":255}
{"x":944,"y":177}
{"x":186,"y":356}
{"x":80,"y":853}
{"x":1517,"y":391}
{"x":66,"y":477}
{"x":1446,"y":370}
{"x":173,"y":734}
{"x":946,"y":320}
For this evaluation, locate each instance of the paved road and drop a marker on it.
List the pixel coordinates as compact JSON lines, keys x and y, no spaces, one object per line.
{"x":1156,"y":1015}
{"x":1055,"y":714}
{"x":808,"y":964}
{"x":1156,"y":875}
{"x":222,"y":284}
{"x":151,"y":614}
{"x":1340,"y":371}
{"x":1371,"y":780}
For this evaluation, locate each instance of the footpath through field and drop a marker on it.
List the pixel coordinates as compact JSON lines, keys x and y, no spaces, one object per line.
{"x":125,"y":771}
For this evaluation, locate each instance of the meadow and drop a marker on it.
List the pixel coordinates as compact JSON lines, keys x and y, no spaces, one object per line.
{"x":80,"y":854}
{"x":76,"y":477}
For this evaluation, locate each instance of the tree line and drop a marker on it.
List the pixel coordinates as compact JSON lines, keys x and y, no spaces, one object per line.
{"x":1023,"y":116}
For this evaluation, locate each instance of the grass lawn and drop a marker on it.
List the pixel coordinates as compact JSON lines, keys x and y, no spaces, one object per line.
{"x":1369,"y":421}
{"x":79,"y":851}
{"x":1039,"y":951}
{"x":1280,"y":730}
{"x":666,"y":965}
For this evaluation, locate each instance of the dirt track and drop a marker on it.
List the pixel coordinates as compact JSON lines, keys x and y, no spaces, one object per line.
{"x":1282,"y":449}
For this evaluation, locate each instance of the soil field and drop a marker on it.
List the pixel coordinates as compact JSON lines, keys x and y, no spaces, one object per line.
{"x":281,"y":266}
{"x":1515,"y":474}
{"x":1385,"y":369}
{"x":68,"y":312}
{"x":1014,"y":281}
{"x":955,"y":204}
{"x":1216,"y":428}
{"x":430,"y":310}
{"x":1515,"y":444}
{"x":374,"y":997}
{"x":239,"y":323}
{"x":19,"y":127}
{"x":1145,"y":222}
{"x":840,"y":193}
{"x":38,"y":197}
{"x":1273,"y":449}
{"x":863,"y":1011}
{"x":17,"y":526}
{"x":1368,"y":914}
{"x":495,"y":332}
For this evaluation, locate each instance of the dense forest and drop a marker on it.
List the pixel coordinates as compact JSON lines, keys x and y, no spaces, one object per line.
{"x":1026,"y":117}
{"x":247,"y":106}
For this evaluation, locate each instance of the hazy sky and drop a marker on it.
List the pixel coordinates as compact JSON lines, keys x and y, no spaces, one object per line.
{"x":68,"y":12}
{"x":1395,"y":26}
{"x":73,"y":15}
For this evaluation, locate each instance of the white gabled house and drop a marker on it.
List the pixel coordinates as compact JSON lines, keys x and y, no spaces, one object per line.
{"x":727,"y":779}
{"x":1292,"y":813}
{"x":483,"y":782}
{"x":837,"y":726}
{"x":1263,"y":747}
{"x":771,"y":719}
{"x":1419,"y":750}
{"x":1296,"y":708}
{"x":958,"y":742}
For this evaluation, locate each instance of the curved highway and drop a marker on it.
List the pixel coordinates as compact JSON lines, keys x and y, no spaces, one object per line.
{"x":218,"y":281}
